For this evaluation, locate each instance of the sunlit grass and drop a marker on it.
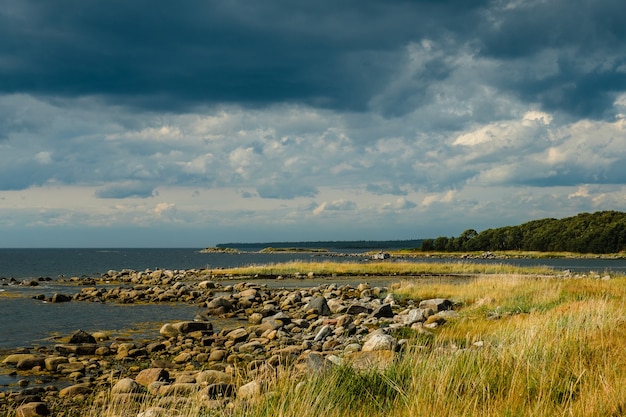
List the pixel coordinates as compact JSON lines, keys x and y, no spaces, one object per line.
{"x":381,"y":268}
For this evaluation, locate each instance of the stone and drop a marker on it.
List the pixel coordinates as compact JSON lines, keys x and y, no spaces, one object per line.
{"x":185,"y":327}
{"x":322,"y":333}
{"x":356,"y":309}
{"x":218,"y":390}
{"x":32,"y":409}
{"x":250,"y":347}
{"x":320,"y":304}
{"x":383,"y":311}
{"x":69,"y":368}
{"x":250,"y":390}
{"x":150,"y":375}
{"x":14,"y":358}
{"x":182,"y":358}
{"x":219,"y":304}
{"x":167,"y":330}
{"x":81,"y":337}
{"x":379,"y":341}
{"x":211,"y":376}
{"x":217,"y":355}
{"x":180,"y":389}
{"x":379,"y":359}
{"x":125,"y":386}
{"x":60,"y":298}
{"x":82,"y":349}
{"x":73,"y":390}
{"x":237,"y":335}
{"x":315,"y":362}
{"x":28,"y":363}
{"x":437,"y":304}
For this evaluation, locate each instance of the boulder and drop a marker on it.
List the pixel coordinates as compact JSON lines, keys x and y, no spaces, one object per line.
{"x":436,"y":304}
{"x":82,"y":349}
{"x":81,"y":337}
{"x":33,"y":409}
{"x":250,"y":390}
{"x":185,"y":327}
{"x":78,"y":389}
{"x":320,"y":305}
{"x":218,"y":390}
{"x":150,"y":375}
{"x":379,"y":341}
{"x":211,"y":376}
{"x":26,"y":364}
{"x":60,"y":298}
{"x":125,"y":386}
{"x":383,"y":311}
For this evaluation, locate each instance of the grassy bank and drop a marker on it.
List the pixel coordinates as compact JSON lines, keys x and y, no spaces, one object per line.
{"x":380,"y":268}
{"x":521,"y":346}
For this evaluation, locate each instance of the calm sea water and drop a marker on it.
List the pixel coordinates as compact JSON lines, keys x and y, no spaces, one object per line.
{"x":27,"y":322}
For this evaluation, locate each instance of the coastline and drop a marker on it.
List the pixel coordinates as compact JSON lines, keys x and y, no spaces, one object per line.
{"x":309,"y":318}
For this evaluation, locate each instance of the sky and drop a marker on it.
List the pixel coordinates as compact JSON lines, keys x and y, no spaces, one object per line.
{"x":192,"y":123}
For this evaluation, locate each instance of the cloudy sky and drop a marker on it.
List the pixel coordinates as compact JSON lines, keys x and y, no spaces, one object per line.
{"x":187,"y":124}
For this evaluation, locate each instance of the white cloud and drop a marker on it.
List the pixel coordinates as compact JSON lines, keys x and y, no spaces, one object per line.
{"x":336,"y":205}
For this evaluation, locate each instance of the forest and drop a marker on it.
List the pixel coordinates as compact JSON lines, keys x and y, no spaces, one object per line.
{"x":599,"y":232}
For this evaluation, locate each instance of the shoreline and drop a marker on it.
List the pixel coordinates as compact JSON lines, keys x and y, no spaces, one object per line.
{"x":270,"y":329}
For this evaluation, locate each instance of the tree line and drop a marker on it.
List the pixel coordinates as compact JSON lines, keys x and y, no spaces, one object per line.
{"x":600,"y":232}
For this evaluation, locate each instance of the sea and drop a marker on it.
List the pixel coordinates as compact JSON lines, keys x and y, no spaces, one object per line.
{"x":26,"y":322}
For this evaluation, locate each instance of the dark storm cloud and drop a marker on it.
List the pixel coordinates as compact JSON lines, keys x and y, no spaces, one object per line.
{"x":338,"y":55}
{"x":585,"y":41}
{"x":159,"y":54}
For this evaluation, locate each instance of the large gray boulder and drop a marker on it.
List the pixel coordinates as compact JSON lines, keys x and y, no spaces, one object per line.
{"x":320,"y":305}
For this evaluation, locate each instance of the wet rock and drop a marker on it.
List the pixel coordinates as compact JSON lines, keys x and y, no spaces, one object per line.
{"x":29,"y":363}
{"x":82,"y":349}
{"x":81,"y":337}
{"x":60,"y":298}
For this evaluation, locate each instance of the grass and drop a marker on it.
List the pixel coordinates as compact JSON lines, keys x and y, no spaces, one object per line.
{"x":521,"y":345}
{"x":555,"y":349}
{"x":380,"y":268}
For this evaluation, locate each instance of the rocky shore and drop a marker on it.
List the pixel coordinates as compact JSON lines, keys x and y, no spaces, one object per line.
{"x":273,"y":331}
